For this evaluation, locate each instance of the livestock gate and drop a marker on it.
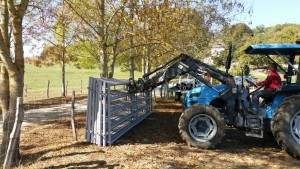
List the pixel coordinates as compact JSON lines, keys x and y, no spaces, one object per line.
{"x":112,"y":111}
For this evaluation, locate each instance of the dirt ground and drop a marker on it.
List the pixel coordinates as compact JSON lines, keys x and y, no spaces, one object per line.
{"x":154,"y":143}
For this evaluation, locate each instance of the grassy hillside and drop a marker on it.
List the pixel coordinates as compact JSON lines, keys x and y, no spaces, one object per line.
{"x":37,"y":78}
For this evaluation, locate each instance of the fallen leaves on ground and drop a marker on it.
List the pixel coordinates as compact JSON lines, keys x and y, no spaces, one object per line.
{"x":154,"y":143}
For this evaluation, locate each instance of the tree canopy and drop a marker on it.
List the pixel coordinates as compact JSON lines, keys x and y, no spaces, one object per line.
{"x":137,"y":34}
{"x":242,"y":36}
{"x":140,"y":35}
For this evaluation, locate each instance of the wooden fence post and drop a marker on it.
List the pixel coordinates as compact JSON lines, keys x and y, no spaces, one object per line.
{"x":26,"y":85}
{"x":161,"y":91}
{"x":15,"y":134}
{"x":167,"y":90}
{"x":48,"y":89}
{"x":80,"y":86}
{"x":67,"y":88}
{"x":72,"y":117}
{"x":154,"y":95}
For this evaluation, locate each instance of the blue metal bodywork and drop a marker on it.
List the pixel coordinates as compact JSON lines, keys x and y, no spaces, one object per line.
{"x":203,"y":94}
{"x":270,"y":109}
{"x":273,"y":49}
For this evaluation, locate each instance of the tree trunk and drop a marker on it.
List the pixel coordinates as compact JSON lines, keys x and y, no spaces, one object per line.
{"x":144,"y":64}
{"x":131,"y":61}
{"x":16,"y":81}
{"x":131,"y":64}
{"x":112,"y":66}
{"x":4,"y":91}
{"x":15,"y":70}
{"x":102,"y":40}
{"x":114,"y":51}
{"x":103,"y":69}
{"x":63,"y":72}
{"x":148,"y":64}
{"x":4,"y":26}
{"x":146,"y":60}
{"x":4,"y":103}
{"x":63,"y":88}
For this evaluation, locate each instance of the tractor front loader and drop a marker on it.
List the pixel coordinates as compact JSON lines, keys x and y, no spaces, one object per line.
{"x":208,"y":108}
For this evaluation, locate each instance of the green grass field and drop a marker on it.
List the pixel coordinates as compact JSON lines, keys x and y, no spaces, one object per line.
{"x":36,"y":80}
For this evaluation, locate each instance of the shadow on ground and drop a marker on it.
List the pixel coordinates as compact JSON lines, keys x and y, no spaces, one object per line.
{"x":162,"y":127}
{"x":155,"y":142}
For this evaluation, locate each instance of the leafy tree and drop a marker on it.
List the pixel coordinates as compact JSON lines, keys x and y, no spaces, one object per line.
{"x":173,"y":27}
{"x":102,"y":23}
{"x":150,"y":32}
{"x":55,"y":28}
{"x":63,"y":32}
{"x":12,"y":66}
{"x":85,"y":53}
{"x":52,"y":55}
{"x":285,"y":33}
{"x":238,"y":34}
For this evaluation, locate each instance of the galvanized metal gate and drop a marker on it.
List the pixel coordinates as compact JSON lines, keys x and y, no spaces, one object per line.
{"x":112,"y":111}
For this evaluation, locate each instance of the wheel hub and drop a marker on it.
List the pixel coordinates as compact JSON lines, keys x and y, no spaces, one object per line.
{"x":202,"y":128}
{"x":295,"y":127}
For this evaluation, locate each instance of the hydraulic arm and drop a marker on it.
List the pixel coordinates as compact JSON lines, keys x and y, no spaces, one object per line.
{"x":180,"y":65}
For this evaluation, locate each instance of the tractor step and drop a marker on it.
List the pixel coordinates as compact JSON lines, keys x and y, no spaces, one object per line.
{"x":254,"y":125}
{"x":255,"y":133}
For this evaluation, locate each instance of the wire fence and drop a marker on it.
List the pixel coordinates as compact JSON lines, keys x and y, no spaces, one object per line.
{"x":5,"y":136}
{"x":53,"y":90}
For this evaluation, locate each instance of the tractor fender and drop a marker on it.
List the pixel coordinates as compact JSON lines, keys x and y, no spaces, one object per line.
{"x":276,"y":102}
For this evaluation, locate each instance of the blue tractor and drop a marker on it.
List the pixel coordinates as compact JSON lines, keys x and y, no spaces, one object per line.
{"x":208,"y":108}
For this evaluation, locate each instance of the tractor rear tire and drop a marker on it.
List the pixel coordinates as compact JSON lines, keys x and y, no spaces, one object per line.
{"x":285,"y":126}
{"x":202,"y":126}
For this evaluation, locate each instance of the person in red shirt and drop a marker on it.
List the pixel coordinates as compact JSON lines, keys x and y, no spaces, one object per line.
{"x":271,"y":83}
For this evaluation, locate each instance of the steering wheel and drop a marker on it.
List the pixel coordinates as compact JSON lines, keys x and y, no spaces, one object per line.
{"x":251,"y":83}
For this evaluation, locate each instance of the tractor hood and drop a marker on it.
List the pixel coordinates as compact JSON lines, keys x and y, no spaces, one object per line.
{"x":203,"y":94}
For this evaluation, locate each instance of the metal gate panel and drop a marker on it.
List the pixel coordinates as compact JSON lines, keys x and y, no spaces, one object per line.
{"x":111,"y":111}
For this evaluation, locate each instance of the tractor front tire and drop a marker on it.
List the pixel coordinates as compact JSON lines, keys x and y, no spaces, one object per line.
{"x":285,"y":126}
{"x":202,"y":126}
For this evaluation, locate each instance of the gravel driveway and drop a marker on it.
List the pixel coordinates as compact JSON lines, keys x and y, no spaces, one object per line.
{"x":38,"y":115}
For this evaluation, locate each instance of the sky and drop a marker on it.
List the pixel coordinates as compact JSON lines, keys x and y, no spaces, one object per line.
{"x":272,"y":12}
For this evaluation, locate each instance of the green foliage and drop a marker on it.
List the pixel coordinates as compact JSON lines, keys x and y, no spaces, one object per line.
{"x":236,"y":70}
{"x":87,"y":54}
{"x":286,"y":33}
{"x":242,"y":36}
{"x":86,"y":62}
{"x":160,"y":30}
{"x":52,"y":55}
{"x":238,"y":34}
